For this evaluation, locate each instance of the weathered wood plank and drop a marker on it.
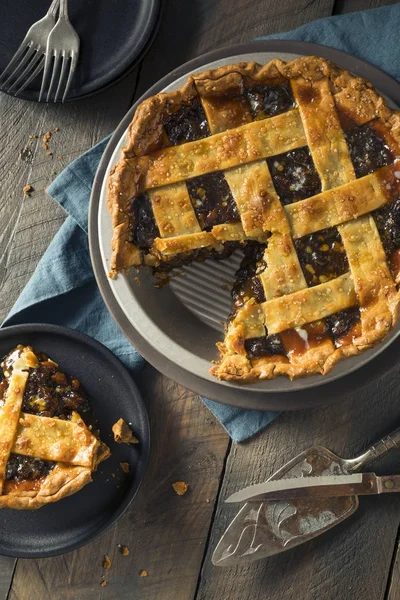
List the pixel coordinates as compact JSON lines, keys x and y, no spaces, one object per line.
{"x":351,"y":561}
{"x":348,"y":6}
{"x":394,"y":583}
{"x":7,"y":566}
{"x":165,"y":533}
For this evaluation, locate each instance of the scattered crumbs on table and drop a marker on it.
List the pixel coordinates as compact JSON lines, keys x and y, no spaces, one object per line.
{"x":113,"y":475}
{"x":103,"y":583}
{"x":137,"y":280}
{"x":57,"y":129}
{"x":45,"y":188}
{"x":50,"y":154}
{"x":124,"y":466}
{"x":28,"y":189}
{"x":123,"y":549}
{"x":143,"y":573}
{"x":106,"y":562}
{"x":46,"y":138}
{"x":59,"y":157}
{"x":208,"y":500}
{"x":123,"y":434}
{"x":180,"y":487}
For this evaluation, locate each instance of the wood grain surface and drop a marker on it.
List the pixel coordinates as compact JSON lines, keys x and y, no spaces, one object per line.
{"x":172,"y":537}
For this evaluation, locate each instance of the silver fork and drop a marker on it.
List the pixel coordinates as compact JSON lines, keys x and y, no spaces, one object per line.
{"x":62,"y":46}
{"x":28,"y":60}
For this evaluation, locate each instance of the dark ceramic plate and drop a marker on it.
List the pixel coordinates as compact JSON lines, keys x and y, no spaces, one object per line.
{"x":149,"y":319}
{"x":75,"y":521}
{"x":114,"y":35}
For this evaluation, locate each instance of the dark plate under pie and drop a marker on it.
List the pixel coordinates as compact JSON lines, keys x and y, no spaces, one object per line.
{"x":112,"y":394}
{"x":165,"y":327}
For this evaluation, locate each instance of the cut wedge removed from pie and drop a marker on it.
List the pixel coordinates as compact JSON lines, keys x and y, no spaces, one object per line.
{"x":297,"y":164}
{"x":47,"y":451}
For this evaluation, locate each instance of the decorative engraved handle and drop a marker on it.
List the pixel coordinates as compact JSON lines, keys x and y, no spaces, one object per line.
{"x":377,"y":450}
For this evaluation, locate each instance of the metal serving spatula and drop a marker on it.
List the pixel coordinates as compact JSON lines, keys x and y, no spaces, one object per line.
{"x":265,"y":528}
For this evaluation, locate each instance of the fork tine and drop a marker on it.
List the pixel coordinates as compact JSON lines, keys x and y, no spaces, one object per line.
{"x":62,"y":76}
{"x":25,"y":73}
{"x":25,"y":59}
{"x":54,"y":73}
{"x":23,"y":47}
{"x":72,"y":68}
{"x":32,"y":76}
{"x":46,"y":74}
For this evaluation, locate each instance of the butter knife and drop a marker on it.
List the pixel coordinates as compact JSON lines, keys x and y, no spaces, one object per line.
{"x":358,"y":484}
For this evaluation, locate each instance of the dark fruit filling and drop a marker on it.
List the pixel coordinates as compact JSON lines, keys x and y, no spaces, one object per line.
{"x":341,"y":322}
{"x":187,"y":124}
{"x":268,"y":101}
{"x":294,"y":175}
{"x":322,"y":256}
{"x":212,"y":200}
{"x":20,"y":468}
{"x":264,"y":346}
{"x":247,"y":283}
{"x":387,"y":219}
{"x":144,"y":226}
{"x":48,"y":393}
{"x":367,"y":150}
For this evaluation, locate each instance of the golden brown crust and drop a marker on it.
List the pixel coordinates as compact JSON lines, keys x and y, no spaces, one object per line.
{"x":61,"y":482}
{"x":329,"y":101}
{"x":68,"y":443}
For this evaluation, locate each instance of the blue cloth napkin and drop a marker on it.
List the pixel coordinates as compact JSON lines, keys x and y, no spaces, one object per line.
{"x":63,"y":290}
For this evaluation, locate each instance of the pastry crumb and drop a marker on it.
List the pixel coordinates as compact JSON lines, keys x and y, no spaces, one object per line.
{"x":180,"y":487}
{"x":28,"y":189}
{"x":123,"y":433}
{"x":124,"y":550}
{"x":124,"y":466}
{"x":59,"y":157}
{"x":46,"y":138}
{"x":57,"y":129}
{"x":106,"y":562}
{"x":103,"y":583}
{"x":143,"y":573}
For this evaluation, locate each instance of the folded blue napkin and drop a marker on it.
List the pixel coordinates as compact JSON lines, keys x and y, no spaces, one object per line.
{"x":63,"y":290}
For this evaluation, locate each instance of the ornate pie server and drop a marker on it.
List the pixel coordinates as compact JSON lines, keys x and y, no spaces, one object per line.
{"x":262,"y":529}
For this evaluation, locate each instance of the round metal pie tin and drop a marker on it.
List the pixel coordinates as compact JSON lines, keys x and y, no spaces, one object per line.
{"x":173,"y":327}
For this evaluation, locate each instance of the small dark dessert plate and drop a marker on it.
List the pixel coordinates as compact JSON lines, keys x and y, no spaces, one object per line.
{"x":76,"y":520}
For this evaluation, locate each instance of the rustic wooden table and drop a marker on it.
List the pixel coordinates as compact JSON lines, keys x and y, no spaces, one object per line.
{"x":169,"y":536}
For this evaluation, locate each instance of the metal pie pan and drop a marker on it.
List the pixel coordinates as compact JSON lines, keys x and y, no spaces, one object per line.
{"x":180,"y":341}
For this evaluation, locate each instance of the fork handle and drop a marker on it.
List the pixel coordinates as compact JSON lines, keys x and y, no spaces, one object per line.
{"x":376,"y":450}
{"x":53,"y":8}
{"x":63,"y":9}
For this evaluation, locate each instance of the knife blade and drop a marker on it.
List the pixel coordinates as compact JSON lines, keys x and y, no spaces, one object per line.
{"x":317,"y":487}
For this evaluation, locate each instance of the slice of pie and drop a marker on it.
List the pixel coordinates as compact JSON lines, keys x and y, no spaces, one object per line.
{"x":47,"y":451}
{"x":297,"y":165}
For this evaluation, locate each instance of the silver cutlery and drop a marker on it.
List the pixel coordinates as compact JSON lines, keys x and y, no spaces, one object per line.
{"x":62,"y":54}
{"x":28,"y":61}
